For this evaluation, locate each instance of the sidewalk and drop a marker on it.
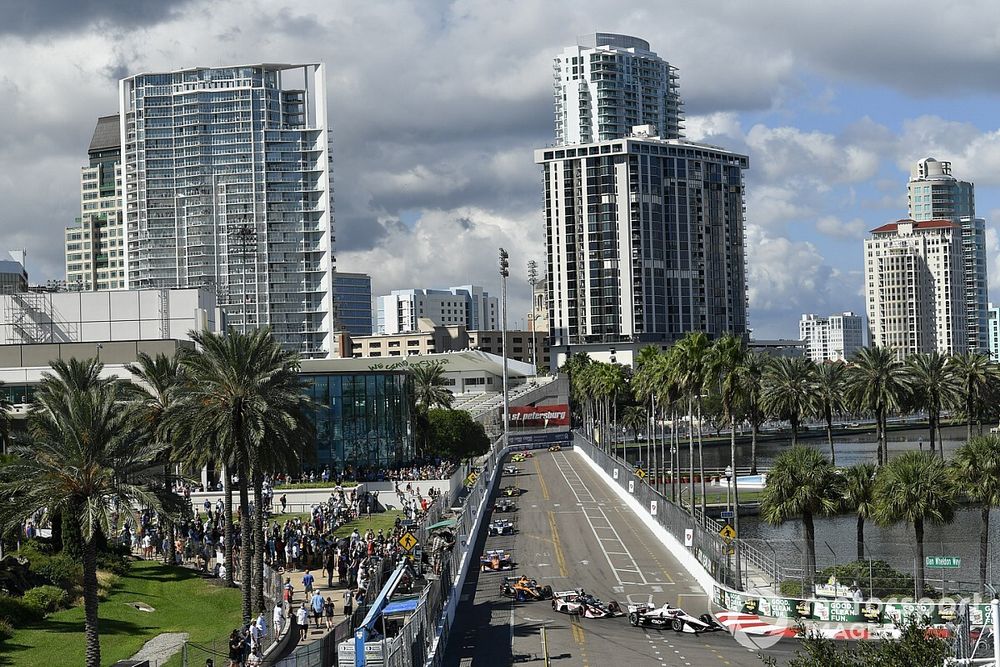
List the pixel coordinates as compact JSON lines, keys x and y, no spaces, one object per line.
{"x":336,"y":593}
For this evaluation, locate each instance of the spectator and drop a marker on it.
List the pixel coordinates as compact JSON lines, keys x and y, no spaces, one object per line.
{"x":278,"y":618}
{"x":318,"y":606}
{"x":302,"y":618}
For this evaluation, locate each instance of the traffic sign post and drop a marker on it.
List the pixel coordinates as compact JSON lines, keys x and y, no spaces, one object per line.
{"x":640,"y":473}
{"x":943,"y":562}
{"x":728,"y":533}
{"x":407,"y":540}
{"x":727,"y":514}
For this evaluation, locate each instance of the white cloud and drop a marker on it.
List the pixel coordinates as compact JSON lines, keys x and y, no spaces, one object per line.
{"x":788,"y":152}
{"x":831,"y":225}
{"x":704,"y":127}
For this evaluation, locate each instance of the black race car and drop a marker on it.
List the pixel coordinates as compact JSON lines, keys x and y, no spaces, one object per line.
{"x":523,"y":589}
{"x":501,"y":527}
{"x":510,"y":491}
{"x":496,"y":560}
{"x":579,"y":603}
{"x":505,"y":505}
{"x":675,"y":618}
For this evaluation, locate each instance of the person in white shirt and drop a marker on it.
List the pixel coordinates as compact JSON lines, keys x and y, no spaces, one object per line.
{"x":278,"y":618}
{"x":302,"y":618}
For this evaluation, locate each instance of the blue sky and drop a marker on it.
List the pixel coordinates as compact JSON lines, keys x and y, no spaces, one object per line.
{"x":436,"y":106}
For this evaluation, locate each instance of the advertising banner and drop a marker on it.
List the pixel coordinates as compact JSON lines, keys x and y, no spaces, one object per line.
{"x":539,"y":416}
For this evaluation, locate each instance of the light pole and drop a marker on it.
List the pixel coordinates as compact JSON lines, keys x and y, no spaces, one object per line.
{"x":99,"y":348}
{"x":504,"y":272}
{"x":729,"y":476}
{"x":532,"y":280}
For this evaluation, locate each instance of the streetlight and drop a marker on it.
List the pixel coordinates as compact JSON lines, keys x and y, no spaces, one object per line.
{"x":533,"y":280}
{"x":99,"y":348}
{"x":729,"y":476}
{"x":504,"y":272}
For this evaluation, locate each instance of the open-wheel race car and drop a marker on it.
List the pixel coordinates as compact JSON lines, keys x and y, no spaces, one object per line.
{"x":579,"y":603}
{"x":510,"y":491}
{"x":505,"y":505}
{"x":520,"y":457}
{"x":501,"y":527}
{"x":523,"y":589}
{"x":555,"y":448}
{"x":675,"y":618}
{"x":510,"y":469}
{"x":496,"y":560}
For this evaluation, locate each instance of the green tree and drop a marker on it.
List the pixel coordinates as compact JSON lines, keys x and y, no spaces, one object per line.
{"x":830,"y":383}
{"x":934,"y":385}
{"x":634,"y":419}
{"x":917,"y":488}
{"x":690,"y":371}
{"x":5,"y":409}
{"x":750,"y":387}
{"x":789,"y":390}
{"x":877,"y":383}
{"x":456,"y":435}
{"x":978,"y":378}
{"x":802,"y":484}
{"x":85,"y":458}
{"x":977,"y":467}
{"x":859,"y":497}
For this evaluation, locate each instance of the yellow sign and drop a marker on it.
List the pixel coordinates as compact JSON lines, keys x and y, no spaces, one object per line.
{"x":407,"y":541}
{"x":728,"y":533}
{"x":640,"y":473}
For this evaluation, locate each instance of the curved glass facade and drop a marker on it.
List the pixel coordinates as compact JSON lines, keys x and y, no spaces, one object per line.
{"x":364,"y":418}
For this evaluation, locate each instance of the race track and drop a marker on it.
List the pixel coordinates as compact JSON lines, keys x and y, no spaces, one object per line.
{"x":572,"y":531}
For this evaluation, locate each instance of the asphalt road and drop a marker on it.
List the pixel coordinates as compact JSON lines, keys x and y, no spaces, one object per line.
{"x":572,"y":531}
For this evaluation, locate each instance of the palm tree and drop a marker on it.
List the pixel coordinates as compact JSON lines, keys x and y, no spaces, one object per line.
{"x":87,"y":460}
{"x":244,"y":400}
{"x":429,"y":386}
{"x":934,"y":386}
{"x":830,"y":380}
{"x":915,"y":487}
{"x":159,"y":381}
{"x":633,"y":419}
{"x":801,"y":484}
{"x":689,"y":369}
{"x":5,"y":407}
{"x":877,"y":384}
{"x":978,"y":377}
{"x":645,"y":388}
{"x":977,"y":466}
{"x":859,"y":497}
{"x":750,"y":385}
{"x":789,"y":390}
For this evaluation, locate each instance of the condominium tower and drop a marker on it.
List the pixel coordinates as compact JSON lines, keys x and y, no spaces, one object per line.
{"x":352,"y":300}
{"x":934,"y":194}
{"x":833,"y":338}
{"x":913,"y":287}
{"x":993,"y":332}
{"x":226,"y":182}
{"x":467,"y":305}
{"x":95,"y":244}
{"x":607,"y":84}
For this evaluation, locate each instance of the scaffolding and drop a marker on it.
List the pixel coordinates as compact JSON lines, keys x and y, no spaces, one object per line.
{"x":28,"y":316}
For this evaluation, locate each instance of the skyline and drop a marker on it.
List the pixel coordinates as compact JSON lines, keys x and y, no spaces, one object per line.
{"x":432,"y":153}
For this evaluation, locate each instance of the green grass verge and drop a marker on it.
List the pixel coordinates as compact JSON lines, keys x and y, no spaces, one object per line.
{"x":383,"y":520}
{"x":184,"y":602}
{"x":311,"y":485}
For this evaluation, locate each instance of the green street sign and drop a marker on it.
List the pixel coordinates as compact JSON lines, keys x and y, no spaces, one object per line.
{"x":943,"y":561}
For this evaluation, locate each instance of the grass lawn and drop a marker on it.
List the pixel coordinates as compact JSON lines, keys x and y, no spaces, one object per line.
{"x":184,"y":602}
{"x":383,"y":520}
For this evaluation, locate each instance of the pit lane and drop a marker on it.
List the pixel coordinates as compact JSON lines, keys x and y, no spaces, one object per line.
{"x":572,"y":531}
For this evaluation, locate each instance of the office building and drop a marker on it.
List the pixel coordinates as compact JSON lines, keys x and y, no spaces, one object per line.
{"x":934,"y":194}
{"x":913,"y":287}
{"x":993,"y":332}
{"x":352,"y":301}
{"x":467,"y":305}
{"x":226,"y":182}
{"x":95,"y":244}
{"x":13,"y":275}
{"x":644,"y":238}
{"x":833,"y":338}
{"x":607,"y":84}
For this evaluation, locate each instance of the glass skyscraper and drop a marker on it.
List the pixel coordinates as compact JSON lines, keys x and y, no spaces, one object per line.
{"x":352,"y":298}
{"x":226,"y":181}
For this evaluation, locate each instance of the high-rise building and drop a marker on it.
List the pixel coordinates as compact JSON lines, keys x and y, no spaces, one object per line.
{"x":993,"y":332}
{"x":913,"y":287}
{"x":13,"y":275}
{"x":95,"y":245}
{"x":467,"y":305}
{"x":833,"y":338}
{"x":607,"y":84}
{"x":226,"y":182}
{"x":934,"y":194}
{"x":645,"y":243}
{"x":352,"y":300}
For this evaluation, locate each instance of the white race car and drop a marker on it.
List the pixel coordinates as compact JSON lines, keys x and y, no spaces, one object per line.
{"x":579,"y":603}
{"x":674,"y":618}
{"x":510,"y":470}
{"x":501,"y":527}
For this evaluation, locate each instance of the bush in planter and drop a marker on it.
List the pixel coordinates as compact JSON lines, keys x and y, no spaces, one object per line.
{"x":46,"y":598}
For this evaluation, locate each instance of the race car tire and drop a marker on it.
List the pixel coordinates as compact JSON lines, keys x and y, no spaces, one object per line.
{"x":614,"y":607}
{"x":707,"y":619}
{"x":633,"y":618}
{"x":546,"y":592}
{"x":677,"y":625}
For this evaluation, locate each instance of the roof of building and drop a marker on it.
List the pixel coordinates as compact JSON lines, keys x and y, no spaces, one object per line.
{"x":464,"y":361}
{"x":107,"y":134}
{"x":917,"y":224}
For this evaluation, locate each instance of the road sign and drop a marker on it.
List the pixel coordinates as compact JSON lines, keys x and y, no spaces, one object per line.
{"x":949,"y":562}
{"x":727,"y":514}
{"x":640,"y":473}
{"x":688,"y":537}
{"x":728,"y":533}
{"x":730,"y":551}
{"x":631,"y":486}
{"x":652,"y":507}
{"x":614,"y":473}
{"x":407,"y":541}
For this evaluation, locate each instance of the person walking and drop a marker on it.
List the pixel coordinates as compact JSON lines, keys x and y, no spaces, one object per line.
{"x":302,"y":618}
{"x":307,"y":583}
{"x":328,"y":609}
{"x":235,"y":648}
{"x":278,"y":618}
{"x":318,"y":606}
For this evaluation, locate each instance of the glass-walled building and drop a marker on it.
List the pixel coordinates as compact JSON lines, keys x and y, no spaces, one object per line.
{"x":363,"y":418}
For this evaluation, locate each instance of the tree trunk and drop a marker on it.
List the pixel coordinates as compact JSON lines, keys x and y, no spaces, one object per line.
{"x":246,"y":543}
{"x":984,"y":547}
{"x":167,"y":523}
{"x":861,"y":538}
{"x":918,"y":529}
{"x":258,"y":543}
{"x":968,"y":409}
{"x":932,"y":423}
{"x":229,"y":536}
{"x":691,"y":453}
{"x":92,"y":638}
{"x":701,"y":463}
{"x":753,"y":447}
{"x":810,"y":555}
{"x":794,"y":422}
{"x":829,"y":438}
{"x":736,"y":500}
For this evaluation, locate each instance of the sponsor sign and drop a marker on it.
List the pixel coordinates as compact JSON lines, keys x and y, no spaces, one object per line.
{"x":539,"y":415}
{"x":689,"y":537}
{"x":539,"y":438}
{"x":631,"y":486}
{"x":652,"y":507}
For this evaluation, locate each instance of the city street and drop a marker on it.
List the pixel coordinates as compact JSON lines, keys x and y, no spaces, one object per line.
{"x":573,"y":532}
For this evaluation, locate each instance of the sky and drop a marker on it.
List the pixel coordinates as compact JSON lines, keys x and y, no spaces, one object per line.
{"x":435,"y":108}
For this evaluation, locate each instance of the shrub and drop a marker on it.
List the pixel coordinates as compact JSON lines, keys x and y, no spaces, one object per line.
{"x":46,"y":598}
{"x":6,"y":630}
{"x":117,"y":559}
{"x":18,"y":612}
{"x":59,"y":569}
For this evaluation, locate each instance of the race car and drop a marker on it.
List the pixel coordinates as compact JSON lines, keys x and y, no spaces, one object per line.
{"x":579,"y":603}
{"x":510,"y":470}
{"x":555,"y":448}
{"x":510,"y":491}
{"x":521,"y":457}
{"x":523,"y":589}
{"x":505,"y":505}
{"x":501,"y":527}
{"x":675,"y":618}
{"x":495,"y":560}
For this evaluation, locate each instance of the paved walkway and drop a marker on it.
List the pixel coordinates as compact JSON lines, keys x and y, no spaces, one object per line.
{"x":336,"y":593}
